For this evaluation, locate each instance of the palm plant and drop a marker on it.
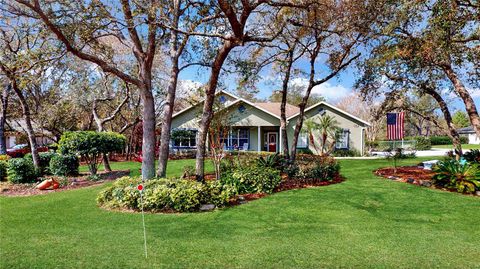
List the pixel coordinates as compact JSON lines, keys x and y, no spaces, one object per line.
{"x":465,"y":178}
{"x":328,"y":128}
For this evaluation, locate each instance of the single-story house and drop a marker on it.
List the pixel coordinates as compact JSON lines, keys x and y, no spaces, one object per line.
{"x":16,"y":128}
{"x":256,"y":126}
{"x":470,"y":133}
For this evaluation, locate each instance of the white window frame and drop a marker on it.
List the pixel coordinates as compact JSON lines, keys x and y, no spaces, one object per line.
{"x":302,"y":136}
{"x":343,"y":139}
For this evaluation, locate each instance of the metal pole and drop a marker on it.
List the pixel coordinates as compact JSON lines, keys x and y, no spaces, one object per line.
{"x":144,"y":230}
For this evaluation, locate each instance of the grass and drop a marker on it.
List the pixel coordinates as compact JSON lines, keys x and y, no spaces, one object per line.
{"x":364,"y":222}
{"x":464,"y":146}
{"x":175,"y":168}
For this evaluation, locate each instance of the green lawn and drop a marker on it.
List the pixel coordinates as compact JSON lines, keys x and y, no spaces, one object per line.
{"x":464,"y":146}
{"x":364,"y":222}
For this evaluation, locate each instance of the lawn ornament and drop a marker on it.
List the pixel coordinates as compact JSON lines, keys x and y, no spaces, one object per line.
{"x":48,"y":184}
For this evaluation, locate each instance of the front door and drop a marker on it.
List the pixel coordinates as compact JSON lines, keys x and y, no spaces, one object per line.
{"x":272,"y":142}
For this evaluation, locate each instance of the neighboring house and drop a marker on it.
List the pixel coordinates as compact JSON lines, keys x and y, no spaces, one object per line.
{"x":16,"y":128}
{"x":470,"y":133}
{"x":255,"y":126}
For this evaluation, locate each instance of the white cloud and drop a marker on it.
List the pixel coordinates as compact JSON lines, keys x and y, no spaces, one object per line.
{"x":185,"y":87}
{"x":330,"y":92}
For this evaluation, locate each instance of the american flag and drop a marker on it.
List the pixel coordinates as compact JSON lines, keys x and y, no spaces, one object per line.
{"x":395,"y":126}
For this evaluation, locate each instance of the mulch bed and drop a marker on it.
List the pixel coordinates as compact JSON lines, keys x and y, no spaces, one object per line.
{"x":81,"y":181}
{"x":415,"y":175}
{"x":406,"y":172}
{"x":291,"y":184}
{"x":285,"y":185}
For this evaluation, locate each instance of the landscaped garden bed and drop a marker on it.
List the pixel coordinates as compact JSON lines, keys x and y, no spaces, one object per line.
{"x":461,"y":176}
{"x":410,"y":174}
{"x":66,"y":183}
{"x":242,"y":178}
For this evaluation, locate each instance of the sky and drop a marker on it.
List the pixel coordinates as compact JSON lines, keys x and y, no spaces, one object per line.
{"x":334,"y":90}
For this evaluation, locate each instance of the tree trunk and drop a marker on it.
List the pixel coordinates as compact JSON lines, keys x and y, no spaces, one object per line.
{"x":3,"y":120}
{"x":28,"y":123}
{"x":106,"y":163}
{"x":167,"y":122}
{"x":175,"y":53}
{"x":300,"y":118}
{"x":283,"y":114}
{"x":457,"y":145}
{"x":148,"y":143}
{"x":466,"y":97}
{"x":208,"y":106}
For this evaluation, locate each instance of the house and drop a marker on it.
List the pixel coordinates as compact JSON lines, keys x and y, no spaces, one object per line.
{"x":255,"y":126}
{"x":473,"y":138}
{"x":16,"y":133}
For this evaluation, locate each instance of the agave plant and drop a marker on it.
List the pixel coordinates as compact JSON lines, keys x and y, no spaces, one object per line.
{"x":465,"y":178}
{"x":272,"y":161}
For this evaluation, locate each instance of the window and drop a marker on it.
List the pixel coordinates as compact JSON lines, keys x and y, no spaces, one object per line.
{"x":302,"y":142}
{"x":342,"y":139}
{"x":184,"y":138}
{"x":237,"y":139}
{"x":243,"y":137}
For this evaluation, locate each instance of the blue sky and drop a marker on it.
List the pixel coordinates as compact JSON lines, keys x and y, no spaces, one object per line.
{"x":333,"y":90}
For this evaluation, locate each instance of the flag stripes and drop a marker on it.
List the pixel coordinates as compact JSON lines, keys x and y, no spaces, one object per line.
{"x":395,"y":125}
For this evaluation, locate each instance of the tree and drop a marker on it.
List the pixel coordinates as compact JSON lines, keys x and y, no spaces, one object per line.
{"x":182,"y":18}
{"x":460,"y":119}
{"x":238,"y":30}
{"x":90,"y":145}
{"x":437,"y":38}
{"x":102,"y":121}
{"x":85,"y":31}
{"x":332,"y":31}
{"x":25,"y":54}
{"x":3,"y":118}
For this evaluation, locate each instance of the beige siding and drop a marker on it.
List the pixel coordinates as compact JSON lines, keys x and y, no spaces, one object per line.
{"x":251,"y":117}
{"x":190,"y":119}
{"x":344,"y":122}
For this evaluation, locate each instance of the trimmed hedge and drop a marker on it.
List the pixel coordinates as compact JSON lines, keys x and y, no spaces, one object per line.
{"x":44,"y":159}
{"x":164,"y":195}
{"x":445,"y":140}
{"x":64,"y":165}
{"x":421,"y":142}
{"x":91,"y":145}
{"x":21,"y":170}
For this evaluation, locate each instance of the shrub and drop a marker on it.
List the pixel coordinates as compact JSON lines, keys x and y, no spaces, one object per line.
{"x":473,"y":156}
{"x":445,"y":140}
{"x":271,"y":161}
{"x":422,"y":143}
{"x":4,"y":157}
{"x":305,"y":151}
{"x":465,"y":178}
{"x":165,"y":194}
{"x":346,"y":153}
{"x":291,"y":170}
{"x":44,"y":159}
{"x":91,"y":145}
{"x":3,"y":170}
{"x":64,"y":165}
{"x":252,"y":179}
{"x":321,"y":169}
{"x":21,"y":170}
